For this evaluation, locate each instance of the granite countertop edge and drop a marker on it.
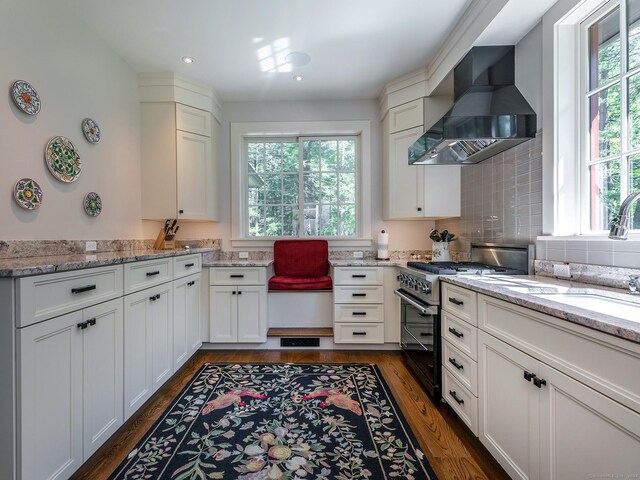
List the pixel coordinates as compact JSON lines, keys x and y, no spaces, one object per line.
{"x":367,"y":263}
{"x":615,"y":326}
{"x":29,"y":266}
{"x":238,"y":263}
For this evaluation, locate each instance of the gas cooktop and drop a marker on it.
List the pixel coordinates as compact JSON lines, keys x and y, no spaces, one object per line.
{"x":462,"y":268}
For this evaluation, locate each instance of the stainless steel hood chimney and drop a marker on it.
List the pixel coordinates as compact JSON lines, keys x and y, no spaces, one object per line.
{"x":489,"y":115}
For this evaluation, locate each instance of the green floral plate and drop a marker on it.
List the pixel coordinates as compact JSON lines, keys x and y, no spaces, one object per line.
{"x":63,"y":160}
{"x":92,"y":204}
{"x":28,"y":193}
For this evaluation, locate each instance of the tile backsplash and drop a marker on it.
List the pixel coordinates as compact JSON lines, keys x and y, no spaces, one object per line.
{"x":592,"y":251}
{"x":501,"y":200}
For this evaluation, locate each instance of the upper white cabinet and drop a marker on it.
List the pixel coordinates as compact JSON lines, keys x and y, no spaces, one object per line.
{"x":178,"y":162}
{"x":420,"y":191}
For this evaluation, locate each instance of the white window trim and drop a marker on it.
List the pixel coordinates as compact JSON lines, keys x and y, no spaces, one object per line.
{"x":243,"y":130}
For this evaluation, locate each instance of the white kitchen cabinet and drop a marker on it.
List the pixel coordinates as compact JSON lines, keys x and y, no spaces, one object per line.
{"x":186,"y":319}
{"x":70,"y":389}
{"x":420,"y":191}
{"x":178,"y":162}
{"x":238,"y":305}
{"x":148,"y":344}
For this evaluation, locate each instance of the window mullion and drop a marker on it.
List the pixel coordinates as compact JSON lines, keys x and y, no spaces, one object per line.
{"x":300,"y":187}
{"x":624,"y":107}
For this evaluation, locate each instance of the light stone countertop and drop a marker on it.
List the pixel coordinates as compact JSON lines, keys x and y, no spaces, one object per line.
{"x":520,"y":289}
{"x":27,"y":266}
{"x":367,"y":263}
{"x":238,"y":263}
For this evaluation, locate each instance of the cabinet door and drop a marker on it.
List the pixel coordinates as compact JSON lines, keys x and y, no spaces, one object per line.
{"x":138,"y":384}
{"x":585,"y":434}
{"x":180,"y":321}
{"x":194,"y":316}
{"x":405,"y":183}
{"x":50,"y":398}
{"x":252,"y":314}
{"x":223,"y":308}
{"x":509,"y":407}
{"x":195,"y":176}
{"x":161,"y":333}
{"x":103,"y":373}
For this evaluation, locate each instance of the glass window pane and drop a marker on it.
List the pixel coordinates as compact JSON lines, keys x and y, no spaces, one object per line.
{"x":256,"y":195}
{"x":347,"y":188}
{"x":311,"y":220}
{"x":311,"y":155}
{"x":347,"y":155}
{"x":256,"y":221}
{"x":634,"y":173}
{"x":329,"y":187}
{"x":329,"y":220}
{"x":605,"y":122}
{"x":329,"y":155}
{"x":290,"y":221}
{"x":634,"y":111}
{"x":273,"y":221}
{"x":255,"y":154}
{"x":274,"y":188}
{"x":290,"y":160}
{"x":311,"y":187}
{"x":605,"y":193}
{"x":604,"y":50}
{"x":290,"y":189}
{"x":347,"y":220}
{"x":633,"y":15}
{"x":273,"y":157}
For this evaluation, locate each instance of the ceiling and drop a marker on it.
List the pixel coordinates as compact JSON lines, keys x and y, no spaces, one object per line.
{"x":356,"y":46}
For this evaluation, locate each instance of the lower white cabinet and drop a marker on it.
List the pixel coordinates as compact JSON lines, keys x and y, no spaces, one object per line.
{"x":69,"y":389}
{"x":187,"y":337}
{"x":148,"y":344}
{"x":541,"y":424}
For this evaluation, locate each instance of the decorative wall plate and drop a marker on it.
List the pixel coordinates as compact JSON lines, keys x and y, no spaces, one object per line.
{"x":63,"y":160}
{"x":92,"y":204}
{"x":28,"y":193}
{"x":91,"y":130}
{"x":25,"y":97}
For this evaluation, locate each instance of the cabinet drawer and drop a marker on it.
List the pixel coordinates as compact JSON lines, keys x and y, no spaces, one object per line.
{"x":406,"y":116}
{"x":47,"y":296}
{"x":460,"y":334}
{"x":463,"y":368}
{"x":358,"y":332}
{"x":345,"y":313}
{"x":358,"y":275}
{"x":463,"y":402}
{"x":141,"y":275}
{"x":460,"y":301}
{"x":353,"y":294}
{"x":237,"y":276}
{"x":186,"y":265}
{"x":194,"y":120}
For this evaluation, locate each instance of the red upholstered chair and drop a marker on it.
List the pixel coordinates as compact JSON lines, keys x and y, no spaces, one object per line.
{"x":301,"y":265}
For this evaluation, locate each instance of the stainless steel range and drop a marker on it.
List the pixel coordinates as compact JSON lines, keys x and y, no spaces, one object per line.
{"x":419,"y":294}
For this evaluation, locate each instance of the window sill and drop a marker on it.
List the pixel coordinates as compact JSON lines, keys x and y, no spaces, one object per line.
{"x":633,"y":237}
{"x":333,"y":242}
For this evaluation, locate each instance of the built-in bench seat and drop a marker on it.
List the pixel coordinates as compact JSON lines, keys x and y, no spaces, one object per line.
{"x":300,"y":265}
{"x":282,"y":282}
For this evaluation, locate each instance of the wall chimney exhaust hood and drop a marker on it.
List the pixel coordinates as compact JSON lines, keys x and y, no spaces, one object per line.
{"x":489,"y":114}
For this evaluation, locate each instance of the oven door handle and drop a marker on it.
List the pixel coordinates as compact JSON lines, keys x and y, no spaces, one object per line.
{"x":431,"y":310}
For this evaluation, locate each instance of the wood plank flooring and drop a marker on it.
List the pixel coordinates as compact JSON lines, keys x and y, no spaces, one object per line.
{"x":453,"y":452}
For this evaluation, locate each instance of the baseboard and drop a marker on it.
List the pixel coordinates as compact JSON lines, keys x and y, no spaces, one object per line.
{"x":273,"y":343}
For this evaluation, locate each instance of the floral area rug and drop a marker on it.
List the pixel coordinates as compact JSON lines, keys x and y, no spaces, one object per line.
{"x":280,"y":421}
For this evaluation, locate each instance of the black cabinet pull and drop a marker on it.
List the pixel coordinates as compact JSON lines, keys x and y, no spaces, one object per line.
{"x":358,"y":276}
{"x":191,"y":283}
{"x":236,"y":276}
{"x":83,"y":325}
{"x":180,"y":211}
{"x":453,"y":362}
{"x":419,"y":209}
{"x":233,"y":293}
{"x":359,"y":333}
{"x":239,"y":293}
{"x":154,"y":297}
{"x":91,"y":322}
{"x":187,"y":265}
{"x":358,"y":314}
{"x":539,"y":382}
{"x":358,"y":294}
{"x":454,"y":395}
{"x":151,"y":274}
{"x":528,"y":376}
{"x":83,"y":289}
{"x":455,"y":301}
{"x":456,"y":333}
{"x":426,"y":334}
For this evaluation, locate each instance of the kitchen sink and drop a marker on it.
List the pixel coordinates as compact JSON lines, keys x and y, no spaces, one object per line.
{"x":615,"y":307}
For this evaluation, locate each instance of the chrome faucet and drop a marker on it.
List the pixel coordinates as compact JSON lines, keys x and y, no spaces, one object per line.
{"x":634,"y":285}
{"x":619,"y":225}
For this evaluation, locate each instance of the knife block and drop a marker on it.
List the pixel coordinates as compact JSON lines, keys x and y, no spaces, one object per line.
{"x":164,"y":241}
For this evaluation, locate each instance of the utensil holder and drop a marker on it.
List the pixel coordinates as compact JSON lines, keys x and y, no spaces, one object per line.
{"x":440,"y":252}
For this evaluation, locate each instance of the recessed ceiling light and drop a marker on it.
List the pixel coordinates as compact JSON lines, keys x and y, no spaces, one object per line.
{"x":188,"y":59}
{"x":297,"y":59}
{"x":298,"y":78}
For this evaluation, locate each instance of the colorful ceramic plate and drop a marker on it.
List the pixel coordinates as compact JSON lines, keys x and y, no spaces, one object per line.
{"x":92,"y":204}
{"x":63,"y":160}
{"x":25,"y":97}
{"x":91,"y":130}
{"x":28,"y":194}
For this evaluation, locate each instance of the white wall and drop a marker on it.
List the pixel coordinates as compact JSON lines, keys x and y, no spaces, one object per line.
{"x":77,"y":77}
{"x":404,"y":235}
{"x":529,"y":69}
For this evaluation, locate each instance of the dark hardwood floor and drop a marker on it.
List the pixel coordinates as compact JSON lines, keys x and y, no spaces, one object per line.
{"x":453,"y":452}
